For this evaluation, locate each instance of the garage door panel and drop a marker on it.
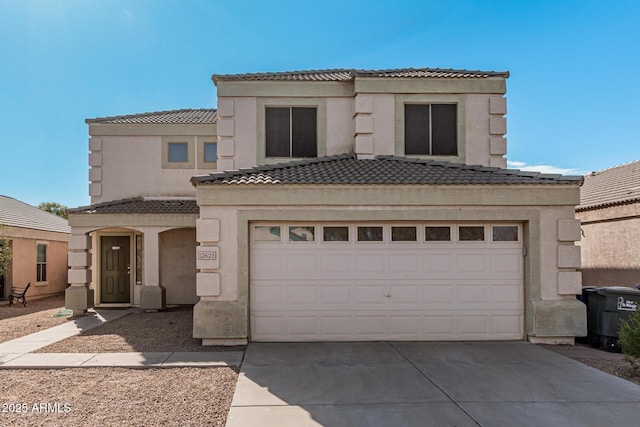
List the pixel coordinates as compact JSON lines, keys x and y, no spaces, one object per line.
{"x":336,"y":263}
{"x":475,"y":263}
{"x":404,"y":294}
{"x":406,"y":326}
{"x":440,"y":327}
{"x":370,"y":294}
{"x":475,"y":294}
{"x":265,"y":263}
{"x":336,"y":294}
{"x":371,"y":326}
{"x":439,"y":295}
{"x":469,"y":325}
{"x":404,"y":263}
{"x":337,"y":327}
{"x":440,"y":263}
{"x":386,"y":290}
{"x":506,"y":263}
{"x":302,"y":294}
{"x":506,"y":325}
{"x":369,"y":263}
{"x":301,"y":263}
{"x":265,"y":294}
{"x":301,"y":326}
{"x":507,"y":294}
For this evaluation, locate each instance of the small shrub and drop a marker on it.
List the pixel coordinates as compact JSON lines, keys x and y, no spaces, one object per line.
{"x":629,"y":336}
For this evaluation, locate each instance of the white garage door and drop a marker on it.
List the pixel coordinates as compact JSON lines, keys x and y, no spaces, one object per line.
{"x":395,"y":281}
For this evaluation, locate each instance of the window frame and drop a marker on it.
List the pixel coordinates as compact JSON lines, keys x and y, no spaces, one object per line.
{"x":190,"y":163}
{"x":202,"y":143}
{"x":422,"y":99}
{"x":321,"y":126}
{"x":41,"y":265}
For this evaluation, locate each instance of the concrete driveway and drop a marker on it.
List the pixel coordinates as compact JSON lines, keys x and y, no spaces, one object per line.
{"x":425,"y":384}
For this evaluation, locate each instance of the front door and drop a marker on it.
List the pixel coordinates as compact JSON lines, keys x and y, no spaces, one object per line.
{"x":114,"y":278}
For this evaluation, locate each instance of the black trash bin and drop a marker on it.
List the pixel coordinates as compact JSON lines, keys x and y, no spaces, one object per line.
{"x":606,"y":308}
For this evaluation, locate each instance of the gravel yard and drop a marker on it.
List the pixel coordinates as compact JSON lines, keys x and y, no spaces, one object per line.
{"x":17,"y":321}
{"x":117,"y":397}
{"x":167,"y":330}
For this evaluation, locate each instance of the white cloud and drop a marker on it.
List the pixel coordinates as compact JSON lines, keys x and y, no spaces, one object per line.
{"x":128,"y":16}
{"x":544,"y":168}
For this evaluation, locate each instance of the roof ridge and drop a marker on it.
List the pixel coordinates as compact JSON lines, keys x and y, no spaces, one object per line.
{"x":148,"y":113}
{"x":108,"y":203}
{"x":594,"y":173}
{"x":271,"y":173}
{"x":272,"y":166}
{"x":351,"y":73}
{"x":486,"y":169}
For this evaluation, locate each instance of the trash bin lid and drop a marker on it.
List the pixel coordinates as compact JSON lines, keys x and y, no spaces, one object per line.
{"x":622,"y":290}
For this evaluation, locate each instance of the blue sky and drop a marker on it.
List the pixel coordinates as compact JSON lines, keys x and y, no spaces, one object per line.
{"x":573,"y":95}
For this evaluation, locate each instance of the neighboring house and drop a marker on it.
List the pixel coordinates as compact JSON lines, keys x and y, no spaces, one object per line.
{"x":610,"y":213}
{"x":349,"y":205}
{"x":39,"y":242}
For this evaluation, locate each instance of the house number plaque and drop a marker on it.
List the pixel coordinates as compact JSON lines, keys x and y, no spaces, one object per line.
{"x":208,"y":257}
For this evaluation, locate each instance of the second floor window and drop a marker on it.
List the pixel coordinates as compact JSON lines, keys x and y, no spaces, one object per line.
{"x":430,"y":129}
{"x":178,"y":152}
{"x":291,"y":132}
{"x":210,"y":152}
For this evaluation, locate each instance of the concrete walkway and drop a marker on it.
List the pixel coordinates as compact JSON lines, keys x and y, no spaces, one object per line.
{"x":16,"y":354}
{"x":425,"y":384}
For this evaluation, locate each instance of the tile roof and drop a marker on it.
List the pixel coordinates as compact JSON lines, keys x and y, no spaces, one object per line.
{"x":342,"y":75}
{"x":347,"y":169}
{"x":140,"y":205}
{"x":15,"y":213}
{"x":613,"y":186}
{"x":186,"y":116}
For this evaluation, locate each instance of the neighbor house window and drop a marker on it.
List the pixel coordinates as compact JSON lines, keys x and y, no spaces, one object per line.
{"x":291,"y":132}
{"x":41,"y":262}
{"x":178,"y":152}
{"x":430,"y":129}
{"x":210,"y":152}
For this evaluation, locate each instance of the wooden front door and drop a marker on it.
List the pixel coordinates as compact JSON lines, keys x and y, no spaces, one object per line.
{"x":115,"y":284}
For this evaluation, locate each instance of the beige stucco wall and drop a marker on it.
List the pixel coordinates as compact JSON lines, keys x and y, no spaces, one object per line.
{"x":362,"y":117}
{"x":610,"y":249}
{"x":128,"y":160}
{"x":132,"y":167}
{"x":23,"y":263}
{"x":552,"y":312}
{"x":178,"y":265}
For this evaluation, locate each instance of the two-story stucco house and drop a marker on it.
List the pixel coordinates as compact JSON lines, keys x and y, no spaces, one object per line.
{"x":335,"y":205}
